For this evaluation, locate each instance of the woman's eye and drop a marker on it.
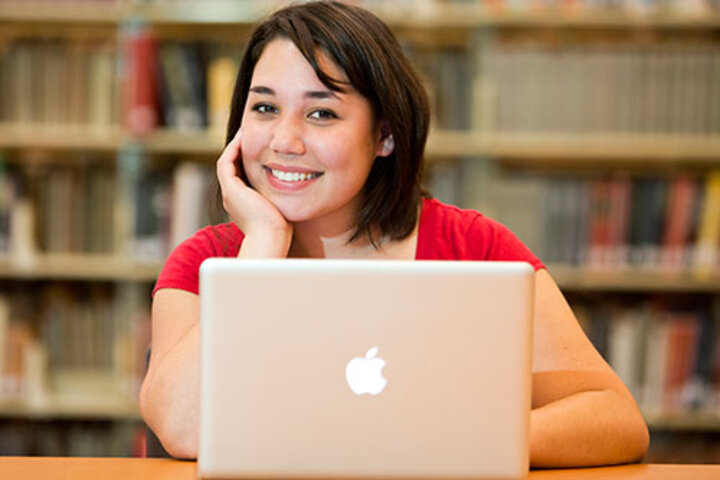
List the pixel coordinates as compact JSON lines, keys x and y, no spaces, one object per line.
{"x":264,"y":108}
{"x":323,"y":114}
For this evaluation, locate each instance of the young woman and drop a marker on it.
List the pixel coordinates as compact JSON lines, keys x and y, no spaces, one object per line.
{"x":323,"y":160}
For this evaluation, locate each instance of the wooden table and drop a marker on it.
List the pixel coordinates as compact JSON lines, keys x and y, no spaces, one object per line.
{"x":74,"y":468}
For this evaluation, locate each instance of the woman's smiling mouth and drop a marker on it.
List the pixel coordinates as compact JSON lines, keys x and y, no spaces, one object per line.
{"x":286,"y":179}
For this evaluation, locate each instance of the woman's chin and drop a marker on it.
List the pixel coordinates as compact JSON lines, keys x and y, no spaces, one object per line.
{"x":294,"y":215}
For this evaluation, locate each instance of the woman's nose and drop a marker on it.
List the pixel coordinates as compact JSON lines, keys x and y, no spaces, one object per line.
{"x":287,"y":137}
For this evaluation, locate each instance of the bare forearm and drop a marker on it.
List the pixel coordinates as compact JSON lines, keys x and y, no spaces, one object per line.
{"x":587,"y":428}
{"x":170,"y":397}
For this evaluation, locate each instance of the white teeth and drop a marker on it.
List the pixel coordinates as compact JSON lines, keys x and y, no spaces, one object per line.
{"x":293,"y":176}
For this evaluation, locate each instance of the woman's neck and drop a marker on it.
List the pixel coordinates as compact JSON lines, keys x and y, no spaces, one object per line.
{"x":309,"y":241}
{"x":329,"y":237}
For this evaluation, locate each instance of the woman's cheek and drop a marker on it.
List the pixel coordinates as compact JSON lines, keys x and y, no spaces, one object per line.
{"x":252,"y":143}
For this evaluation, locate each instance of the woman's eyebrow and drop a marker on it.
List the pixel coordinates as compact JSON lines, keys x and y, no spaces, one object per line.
{"x":262,"y":90}
{"x":314,"y":94}
{"x":321,"y":94}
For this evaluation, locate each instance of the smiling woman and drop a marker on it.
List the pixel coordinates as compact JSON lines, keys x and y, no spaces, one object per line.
{"x":305,"y":148}
{"x":324,"y":155}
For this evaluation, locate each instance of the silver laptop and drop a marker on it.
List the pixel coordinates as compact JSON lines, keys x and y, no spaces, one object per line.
{"x":364,"y":369}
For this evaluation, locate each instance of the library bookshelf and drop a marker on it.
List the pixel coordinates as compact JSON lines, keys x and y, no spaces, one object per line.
{"x":480,"y":152}
{"x":542,"y":149}
{"x":90,"y":267}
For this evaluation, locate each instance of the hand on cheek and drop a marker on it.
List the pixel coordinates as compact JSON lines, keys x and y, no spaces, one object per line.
{"x":254,"y":214}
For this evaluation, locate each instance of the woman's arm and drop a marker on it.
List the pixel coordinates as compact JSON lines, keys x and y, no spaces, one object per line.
{"x":170,"y":392}
{"x":171,"y":389}
{"x":582,"y":413}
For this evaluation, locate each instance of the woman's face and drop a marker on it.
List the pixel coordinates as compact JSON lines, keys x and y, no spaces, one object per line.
{"x":306,"y":148}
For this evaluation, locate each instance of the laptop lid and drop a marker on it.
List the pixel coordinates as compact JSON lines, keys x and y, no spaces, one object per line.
{"x":364,"y":369}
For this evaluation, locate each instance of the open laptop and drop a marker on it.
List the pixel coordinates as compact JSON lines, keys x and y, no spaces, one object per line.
{"x":364,"y":369}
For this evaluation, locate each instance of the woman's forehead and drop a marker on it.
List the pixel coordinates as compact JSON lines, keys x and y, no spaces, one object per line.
{"x":281,"y":59}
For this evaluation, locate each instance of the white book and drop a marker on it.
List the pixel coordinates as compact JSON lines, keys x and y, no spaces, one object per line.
{"x":35,"y":373}
{"x":4,"y":340}
{"x":189,"y":191}
{"x":624,"y":348}
{"x":655,"y":361}
{"x":23,"y":249}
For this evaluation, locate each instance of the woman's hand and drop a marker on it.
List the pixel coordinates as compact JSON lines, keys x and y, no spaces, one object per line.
{"x":267,"y":232}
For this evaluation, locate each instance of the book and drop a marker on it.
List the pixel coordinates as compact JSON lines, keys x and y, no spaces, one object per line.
{"x":103,"y":86}
{"x":189,"y":207}
{"x":222,"y":70}
{"x":708,"y":238}
{"x":682,"y":350}
{"x":183,"y":92}
{"x":139,"y":74}
{"x":682,"y":202}
{"x":625,"y":348}
{"x":569,"y":84}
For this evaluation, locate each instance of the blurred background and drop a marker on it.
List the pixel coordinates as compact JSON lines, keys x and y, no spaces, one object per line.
{"x":590,"y":127}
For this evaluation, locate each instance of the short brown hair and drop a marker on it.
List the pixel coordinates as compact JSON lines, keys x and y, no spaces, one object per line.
{"x":376,"y":67}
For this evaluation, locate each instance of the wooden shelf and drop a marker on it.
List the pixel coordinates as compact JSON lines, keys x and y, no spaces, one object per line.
{"x":90,"y":267}
{"x":75,"y":407}
{"x":65,"y":137}
{"x":227,"y":12}
{"x":93,"y":267}
{"x":74,"y":12}
{"x":107,"y":407}
{"x":536,"y":148}
{"x":191,"y":142}
{"x":683,"y":421}
{"x":632,"y":280}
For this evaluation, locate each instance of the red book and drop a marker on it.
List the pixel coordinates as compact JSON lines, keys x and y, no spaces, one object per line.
{"x":599,"y":222}
{"x":619,"y":201}
{"x":139,"y":81}
{"x":682,"y":201}
{"x":681,"y":356}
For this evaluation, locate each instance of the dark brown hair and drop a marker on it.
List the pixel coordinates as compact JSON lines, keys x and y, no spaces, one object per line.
{"x":376,"y":67}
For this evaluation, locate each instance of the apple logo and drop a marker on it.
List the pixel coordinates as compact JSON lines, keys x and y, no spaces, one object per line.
{"x":364,"y":375}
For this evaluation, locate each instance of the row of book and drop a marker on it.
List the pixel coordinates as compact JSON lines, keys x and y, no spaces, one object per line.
{"x":631,"y":6}
{"x":447,"y":76}
{"x":684,"y":447}
{"x":55,"y":208}
{"x":516,"y":85}
{"x":604,"y":222}
{"x":575,"y":87}
{"x":59,"y":82}
{"x":610,"y":222}
{"x":168,"y":206}
{"x":67,"y":342}
{"x":71,"y":439}
{"x":668,"y":357}
{"x":186,"y":85}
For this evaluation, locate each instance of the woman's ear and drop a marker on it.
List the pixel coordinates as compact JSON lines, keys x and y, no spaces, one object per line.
{"x":387,"y":142}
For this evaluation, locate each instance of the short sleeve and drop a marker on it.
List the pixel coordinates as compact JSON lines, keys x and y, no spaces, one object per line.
{"x":451,"y":233}
{"x":504,"y":245}
{"x":182,"y":268}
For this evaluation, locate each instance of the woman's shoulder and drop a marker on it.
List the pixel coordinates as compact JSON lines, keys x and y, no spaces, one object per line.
{"x":453,"y":219}
{"x":450,"y":232}
{"x":221,"y":240}
{"x":181,"y":269}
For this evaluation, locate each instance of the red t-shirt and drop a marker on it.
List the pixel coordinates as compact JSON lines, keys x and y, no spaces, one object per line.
{"x":446,"y":232}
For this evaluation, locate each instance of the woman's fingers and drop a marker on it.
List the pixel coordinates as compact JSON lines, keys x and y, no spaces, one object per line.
{"x":226,"y":167}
